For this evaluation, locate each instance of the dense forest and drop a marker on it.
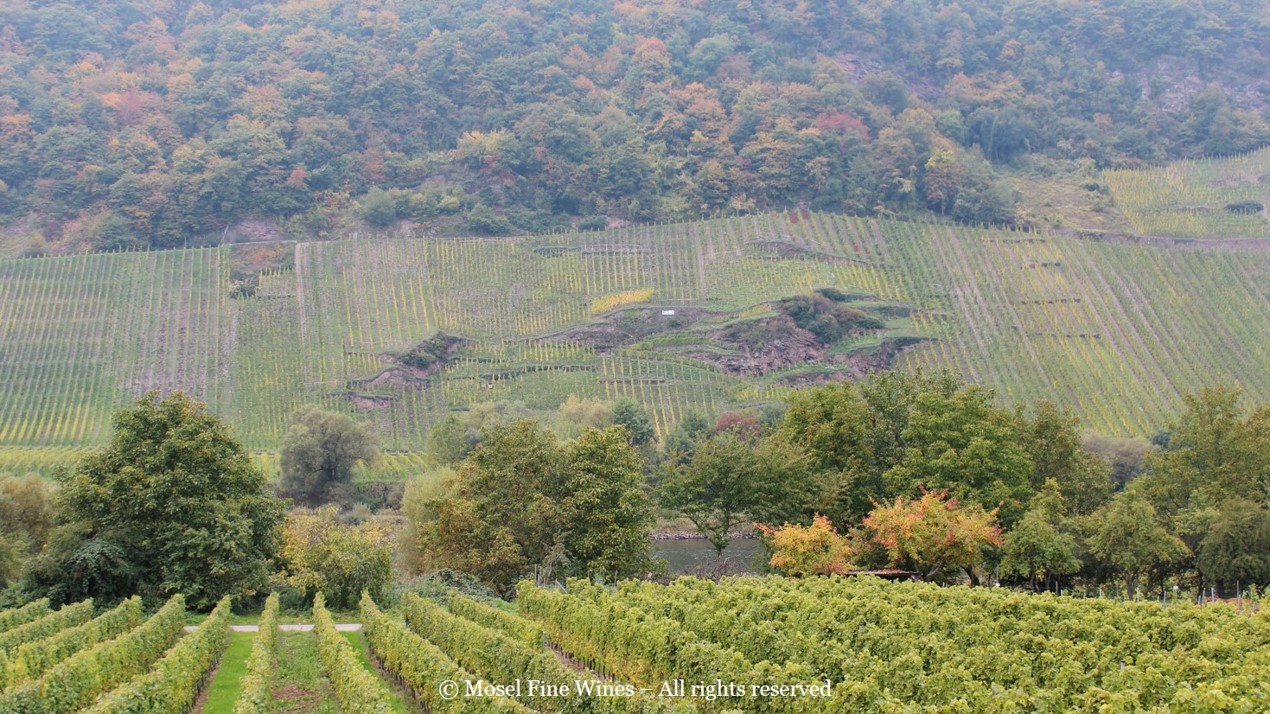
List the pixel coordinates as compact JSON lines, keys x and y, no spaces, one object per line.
{"x":161,"y":123}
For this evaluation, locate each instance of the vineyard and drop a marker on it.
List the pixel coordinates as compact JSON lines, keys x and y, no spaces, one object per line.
{"x":780,"y":645}
{"x":899,"y":646}
{"x":63,"y":661}
{"x":1200,"y":198}
{"x":1117,"y":332}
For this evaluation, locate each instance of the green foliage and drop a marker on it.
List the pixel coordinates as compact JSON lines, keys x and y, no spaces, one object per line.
{"x":450,"y":440}
{"x":68,"y":616}
{"x":482,"y":220}
{"x":378,"y":208}
{"x":714,"y":490}
{"x":502,"y":658}
{"x":75,"y":683}
{"x":1052,"y":439}
{"x":419,"y":506}
{"x":685,"y":436}
{"x":319,"y":453}
{"x":1236,"y":549}
{"x":358,"y":691}
{"x":577,"y":414}
{"x":10,"y":561}
{"x":962,"y":443}
{"x":521,"y":500}
{"x":608,"y":515}
{"x":644,"y":649}
{"x":34,"y":658}
{"x":21,"y":615}
{"x":1216,"y":451}
{"x":174,"y":498}
{"x":431,"y":353}
{"x":1038,"y":547}
{"x":256,"y":695}
{"x":981,"y":648}
{"x":494,"y":618}
{"x":506,"y":511}
{"x":1125,"y":536}
{"x":322,"y":555}
{"x":26,"y":511}
{"x":828,"y":320}
{"x":177,"y":678}
{"x":639,"y":426}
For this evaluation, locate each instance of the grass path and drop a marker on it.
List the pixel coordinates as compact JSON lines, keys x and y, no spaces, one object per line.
{"x":223,"y":692}
{"x":301,"y":686}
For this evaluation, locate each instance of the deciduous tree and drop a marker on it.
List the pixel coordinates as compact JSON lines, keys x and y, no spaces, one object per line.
{"x":319,"y":452}
{"x":171,"y":505}
{"x":934,"y":534}
{"x":1127,"y":538}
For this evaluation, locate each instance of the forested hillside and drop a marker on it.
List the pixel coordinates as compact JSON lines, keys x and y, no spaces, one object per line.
{"x":158,"y":124}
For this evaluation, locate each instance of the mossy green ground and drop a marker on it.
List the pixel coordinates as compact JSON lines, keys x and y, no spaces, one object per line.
{"x":224,"y":688}
{"x":300,"y":685}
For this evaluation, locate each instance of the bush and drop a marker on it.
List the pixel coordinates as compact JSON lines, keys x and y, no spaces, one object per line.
{"x":322,"y":555}
{"x":1246,"y":207}
{"x":378,"y":208}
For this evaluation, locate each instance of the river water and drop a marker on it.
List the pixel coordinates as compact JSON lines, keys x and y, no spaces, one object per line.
{"x":693,"y":556}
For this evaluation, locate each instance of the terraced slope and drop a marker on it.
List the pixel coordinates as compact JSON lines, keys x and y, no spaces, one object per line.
{"x":1198,"y":199}
{"x":1119,"y":332}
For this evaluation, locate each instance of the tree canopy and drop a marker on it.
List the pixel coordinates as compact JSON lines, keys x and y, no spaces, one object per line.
{"x":522,"y":501}
{"x":171,"y":505}
{"x":319,"y":452}
{"x":134,"y":123}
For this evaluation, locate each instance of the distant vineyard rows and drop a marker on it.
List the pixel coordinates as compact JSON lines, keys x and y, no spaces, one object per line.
{"x":1117,"y":332}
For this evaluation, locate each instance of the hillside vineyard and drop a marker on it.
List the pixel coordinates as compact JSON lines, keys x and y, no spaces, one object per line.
{"x":1117,"y":332}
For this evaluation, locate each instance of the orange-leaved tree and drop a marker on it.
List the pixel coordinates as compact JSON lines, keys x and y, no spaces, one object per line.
{"x":934,"y":535}
{"x":800,"y":551}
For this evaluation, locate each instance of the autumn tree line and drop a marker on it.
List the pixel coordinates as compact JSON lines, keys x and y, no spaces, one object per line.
{"x":920,"y":473}
{"x":135,"y":124}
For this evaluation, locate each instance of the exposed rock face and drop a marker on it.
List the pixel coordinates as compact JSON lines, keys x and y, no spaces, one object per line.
{"x":407,"y":371}
{"x":765,"y":346}
{"x":751,"y":347}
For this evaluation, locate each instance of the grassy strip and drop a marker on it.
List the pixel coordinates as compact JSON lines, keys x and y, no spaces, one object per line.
{"x":300,"y":684}
{"x":223,"y":692}
{"x":362,"y":648}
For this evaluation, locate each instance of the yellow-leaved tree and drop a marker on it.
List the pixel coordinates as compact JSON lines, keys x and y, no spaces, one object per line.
{"x":320,"y":554}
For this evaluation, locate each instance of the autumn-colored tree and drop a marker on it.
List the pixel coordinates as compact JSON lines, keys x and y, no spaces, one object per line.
{"x":802,"y":551}
{"x":320,"y":554}
{"x":934,"y":535}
